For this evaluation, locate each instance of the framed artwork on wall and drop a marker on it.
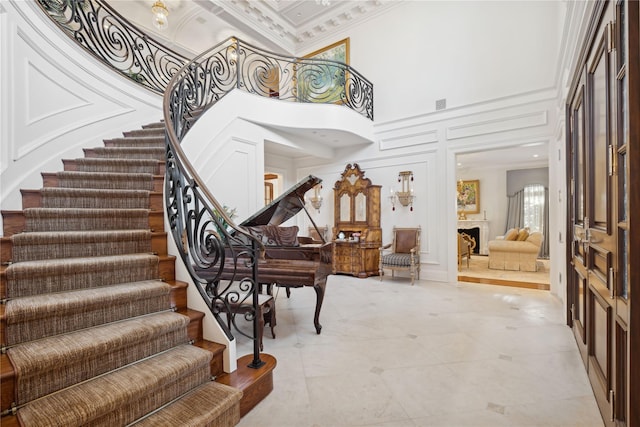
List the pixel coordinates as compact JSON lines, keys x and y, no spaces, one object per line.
{"x":468,"y":197}
{"x":338,"y":51}
{"x":323,"y":82}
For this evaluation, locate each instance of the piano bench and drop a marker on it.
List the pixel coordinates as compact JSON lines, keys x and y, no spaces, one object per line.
{"x":266,"y":313}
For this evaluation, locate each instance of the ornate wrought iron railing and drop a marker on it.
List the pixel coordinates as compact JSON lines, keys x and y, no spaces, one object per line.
{"x":111,"y":39}
{"x":210,"y":244}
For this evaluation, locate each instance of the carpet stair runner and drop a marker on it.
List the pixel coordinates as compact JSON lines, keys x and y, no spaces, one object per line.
{"x":94,"y":327}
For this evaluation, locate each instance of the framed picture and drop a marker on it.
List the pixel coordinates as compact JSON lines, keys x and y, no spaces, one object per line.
{"x":338,"y":51}
{"x":322,"y":82}
{"x":468,"y":197}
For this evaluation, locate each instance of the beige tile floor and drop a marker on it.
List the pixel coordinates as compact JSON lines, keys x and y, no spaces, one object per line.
{"x":433,"y":354}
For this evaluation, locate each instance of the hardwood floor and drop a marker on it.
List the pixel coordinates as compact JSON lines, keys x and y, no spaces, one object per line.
{"x":479,"y":272}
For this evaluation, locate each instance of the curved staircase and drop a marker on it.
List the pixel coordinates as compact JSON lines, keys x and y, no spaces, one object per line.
{"x":94,"y":327}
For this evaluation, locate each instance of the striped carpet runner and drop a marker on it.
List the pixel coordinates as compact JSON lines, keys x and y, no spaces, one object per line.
{"x":87,"y":324}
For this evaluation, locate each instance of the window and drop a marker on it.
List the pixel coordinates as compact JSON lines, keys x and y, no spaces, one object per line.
{"x":534,"y":207}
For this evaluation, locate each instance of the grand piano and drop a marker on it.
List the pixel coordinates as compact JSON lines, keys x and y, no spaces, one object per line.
{"x":284,"y":263}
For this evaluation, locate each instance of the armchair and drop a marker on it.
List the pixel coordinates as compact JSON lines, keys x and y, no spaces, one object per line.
{"x":403,"y":253}
{"x":466,"y":244}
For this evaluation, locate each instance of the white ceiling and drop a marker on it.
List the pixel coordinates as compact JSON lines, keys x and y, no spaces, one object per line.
{"x":295,"y":27}
{"x":530,"y":155}
{"x":285,"y":26}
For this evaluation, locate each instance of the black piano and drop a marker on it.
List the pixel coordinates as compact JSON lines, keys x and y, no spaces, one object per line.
{"x":288,"y":261}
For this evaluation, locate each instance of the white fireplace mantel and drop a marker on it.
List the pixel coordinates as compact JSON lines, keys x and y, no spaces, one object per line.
{"x":483,"y":225}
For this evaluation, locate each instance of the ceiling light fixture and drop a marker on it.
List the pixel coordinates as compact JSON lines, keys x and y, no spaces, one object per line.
{"x":160,"y":13}
{"x":323,"y":2}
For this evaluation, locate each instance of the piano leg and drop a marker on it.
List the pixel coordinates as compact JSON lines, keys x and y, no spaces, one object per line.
{"x":319,"y":287}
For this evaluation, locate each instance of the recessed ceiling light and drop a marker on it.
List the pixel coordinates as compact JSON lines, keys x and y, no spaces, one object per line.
{"x":535,"y":155}
{"x":459,"y":164}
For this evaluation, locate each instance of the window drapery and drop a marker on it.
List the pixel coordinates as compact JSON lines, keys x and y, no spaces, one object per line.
{"x":529,"y":208}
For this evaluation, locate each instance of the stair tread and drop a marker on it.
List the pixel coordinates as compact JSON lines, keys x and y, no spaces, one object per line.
{"x":200,"y":406}
{"x":94,"y":398}
{"x":138,"y":155}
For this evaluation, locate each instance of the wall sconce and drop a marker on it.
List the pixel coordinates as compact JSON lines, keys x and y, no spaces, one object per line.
{"x":316,"y":199}
{"x":405,"y":195}
{"x":160,"y":13}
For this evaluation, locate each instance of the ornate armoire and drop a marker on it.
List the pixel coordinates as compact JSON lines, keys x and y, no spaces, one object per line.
{"x":357,"y":235}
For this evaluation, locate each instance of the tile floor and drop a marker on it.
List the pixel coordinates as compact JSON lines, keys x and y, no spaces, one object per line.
{"x":433,"y":354}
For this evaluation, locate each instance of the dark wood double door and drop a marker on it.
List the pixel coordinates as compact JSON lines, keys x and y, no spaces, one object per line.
{"x":601,"y":157}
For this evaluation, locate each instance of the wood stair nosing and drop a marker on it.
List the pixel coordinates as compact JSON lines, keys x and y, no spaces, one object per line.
{"x":255,"y":384}
{"x":14,"y":222}
{"x":50,"y":179}
{"x":33,"y":199}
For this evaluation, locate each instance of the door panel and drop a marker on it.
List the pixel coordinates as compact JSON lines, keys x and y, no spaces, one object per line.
{"x":599,"y":213}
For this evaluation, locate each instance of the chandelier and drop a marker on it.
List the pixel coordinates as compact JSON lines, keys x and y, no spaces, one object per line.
{"x":160,"y":13}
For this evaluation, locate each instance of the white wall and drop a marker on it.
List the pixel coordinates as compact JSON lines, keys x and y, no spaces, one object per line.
{"x":464,"y":51}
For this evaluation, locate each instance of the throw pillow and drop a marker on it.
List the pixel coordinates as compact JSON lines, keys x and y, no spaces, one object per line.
{"x":522,"y":235}
{"x":512,"y":234}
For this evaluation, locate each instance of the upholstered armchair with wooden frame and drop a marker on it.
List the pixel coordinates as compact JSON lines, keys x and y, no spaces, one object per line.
{"x":403,"y":253}
{"x":466,"y":244}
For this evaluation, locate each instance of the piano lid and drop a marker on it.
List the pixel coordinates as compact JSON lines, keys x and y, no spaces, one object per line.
{"x":287,"y":205}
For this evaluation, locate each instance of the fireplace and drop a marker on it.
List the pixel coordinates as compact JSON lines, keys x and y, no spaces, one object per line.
{"x":475,"y":234}
{"x":482,"y":228}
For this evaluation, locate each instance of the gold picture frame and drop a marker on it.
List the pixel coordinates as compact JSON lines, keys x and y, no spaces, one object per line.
{"x":338,"y":51}
{"x":468,"y":197}
{"x":325,"y":76}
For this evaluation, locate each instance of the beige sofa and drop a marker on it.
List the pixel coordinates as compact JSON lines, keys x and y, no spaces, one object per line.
{"x":509,"y":254}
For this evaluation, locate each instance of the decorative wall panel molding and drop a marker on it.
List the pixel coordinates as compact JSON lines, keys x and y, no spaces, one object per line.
{"x":498,"y":124}
{"x":406,"y":137}
{"x":51,"y":102}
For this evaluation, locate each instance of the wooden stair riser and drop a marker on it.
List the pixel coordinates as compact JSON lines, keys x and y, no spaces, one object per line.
{"x":50,"y":179}
{"x":33,"y":199}
{"x":14,"y":222}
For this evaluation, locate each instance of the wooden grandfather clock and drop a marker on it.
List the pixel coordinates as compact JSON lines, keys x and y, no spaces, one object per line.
{"x":357,"y":235}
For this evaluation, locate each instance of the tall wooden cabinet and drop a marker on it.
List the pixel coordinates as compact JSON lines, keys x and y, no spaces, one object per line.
{"x":357,"y":235}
